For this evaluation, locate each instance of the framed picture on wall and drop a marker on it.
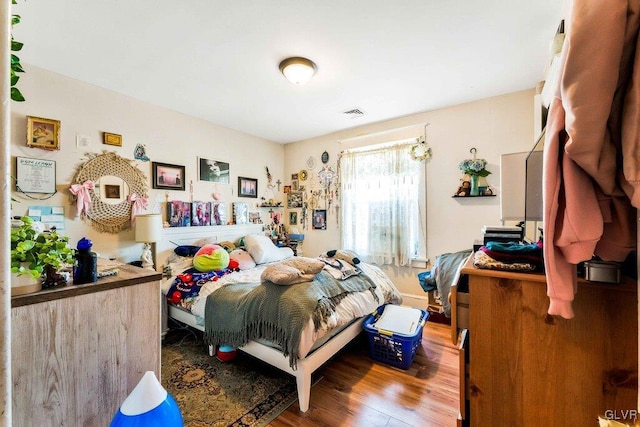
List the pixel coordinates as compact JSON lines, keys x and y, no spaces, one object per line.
{"x":112,"y":139}
{"x":167,"y":176}
{"x":293,"y":218}
{"x":43,"y":133}
{"x":276,"y":217}
{"x":294,"y":199}
{"x":213,"y":170}
{"x":319,"y":220}
{"x":247,"y":187}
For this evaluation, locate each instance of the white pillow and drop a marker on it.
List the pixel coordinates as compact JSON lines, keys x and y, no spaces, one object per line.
{"x":262,"y":249}
{"x":206,"y":241}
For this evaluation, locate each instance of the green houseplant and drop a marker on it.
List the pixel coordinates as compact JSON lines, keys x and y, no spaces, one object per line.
{"x":36,"y":253}
{"x":16,"y":67}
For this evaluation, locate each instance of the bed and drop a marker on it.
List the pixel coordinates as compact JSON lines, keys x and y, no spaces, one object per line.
{"x":317,"y":342}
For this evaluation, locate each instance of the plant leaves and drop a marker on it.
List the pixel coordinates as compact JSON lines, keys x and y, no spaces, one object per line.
{"x":16,"y":95}
{"x":16,"y":46}
{"x":14,"y":79}
{"x":17,"y":68}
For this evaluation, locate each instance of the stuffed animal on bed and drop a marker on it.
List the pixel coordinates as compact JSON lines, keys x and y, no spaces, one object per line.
{"x":211,"y":258}
{"x":344,"y":255}
{"x":242,"y":258}
{"x":210,"y":263}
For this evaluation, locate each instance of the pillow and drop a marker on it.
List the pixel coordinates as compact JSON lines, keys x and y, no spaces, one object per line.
{"x":262,"y":249}
{"x":282,"y":275}
{"x":304,"y":264}
{"x":186,"y":250}
{"x":292,"y":270}
{"x":245,"y":262}
{"x":211,"y":258}
{"x":207,"y":241}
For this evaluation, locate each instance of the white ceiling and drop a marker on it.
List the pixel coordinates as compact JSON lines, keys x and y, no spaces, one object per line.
{"x":218,"y":60}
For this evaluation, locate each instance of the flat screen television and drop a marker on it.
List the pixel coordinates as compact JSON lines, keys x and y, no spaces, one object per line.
{"x":533,"y":209}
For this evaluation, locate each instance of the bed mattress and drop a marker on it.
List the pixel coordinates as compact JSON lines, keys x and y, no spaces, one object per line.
{"x":354,"y":306}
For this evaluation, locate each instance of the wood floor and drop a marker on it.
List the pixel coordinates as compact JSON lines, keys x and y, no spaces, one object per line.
{"x":356,"y":391}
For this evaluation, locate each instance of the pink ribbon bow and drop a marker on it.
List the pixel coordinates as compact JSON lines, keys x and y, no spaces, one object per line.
{"x":81,"y":191}
{"x":139,"y":203}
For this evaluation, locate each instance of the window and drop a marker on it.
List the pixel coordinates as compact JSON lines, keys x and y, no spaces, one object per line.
{"x":381,"y":188}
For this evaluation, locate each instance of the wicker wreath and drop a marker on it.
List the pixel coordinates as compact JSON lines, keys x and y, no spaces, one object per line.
{"x":106,"y":217}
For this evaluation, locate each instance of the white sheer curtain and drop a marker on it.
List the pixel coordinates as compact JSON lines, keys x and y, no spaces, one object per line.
{"x":380,"y":203}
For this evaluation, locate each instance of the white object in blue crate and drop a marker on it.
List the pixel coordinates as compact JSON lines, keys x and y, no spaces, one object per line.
{"x":399,"y":319}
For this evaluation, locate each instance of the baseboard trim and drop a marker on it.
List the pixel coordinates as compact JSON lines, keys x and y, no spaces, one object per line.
{"x":417,"y":301}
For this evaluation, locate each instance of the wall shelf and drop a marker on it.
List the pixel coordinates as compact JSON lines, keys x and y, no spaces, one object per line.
{"x":474,"y":197}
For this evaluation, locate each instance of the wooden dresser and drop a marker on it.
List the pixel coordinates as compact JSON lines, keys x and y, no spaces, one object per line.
{"x":78,"y":351}
{"x":522,"y":367}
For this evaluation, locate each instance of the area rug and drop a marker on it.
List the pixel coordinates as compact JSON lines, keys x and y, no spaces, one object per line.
{"x":211,"y":393}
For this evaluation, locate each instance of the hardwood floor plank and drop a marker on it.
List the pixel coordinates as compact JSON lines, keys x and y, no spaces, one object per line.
{"x":358,"y":391}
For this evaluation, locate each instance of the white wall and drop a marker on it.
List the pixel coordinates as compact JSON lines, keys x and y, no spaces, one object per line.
{"x":493,"y":126}
{"x":170,"y":137}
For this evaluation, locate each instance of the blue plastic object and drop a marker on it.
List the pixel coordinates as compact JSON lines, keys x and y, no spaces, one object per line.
{"x":393,"y":348}
{"x":149,"y":404}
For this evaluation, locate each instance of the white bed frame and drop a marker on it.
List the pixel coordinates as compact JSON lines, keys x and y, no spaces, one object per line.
{"x":274,"y":357}
{"x":307,"y":365}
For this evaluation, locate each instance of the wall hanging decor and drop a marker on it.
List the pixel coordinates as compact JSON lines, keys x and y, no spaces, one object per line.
{"x":167,"y":176}
{"x":473,"y":169}
{"x":108,"y":190}
{"x":112,"y":139}
{"x":325,"y":157}
{"x":319,"y":220}
{"x":43,"y":133}
{"x":140,"y":153}
{"x":213,"y":170}
{"x":35,"y":175}
{"x":247,"y":187}
{"x":421,"y":151}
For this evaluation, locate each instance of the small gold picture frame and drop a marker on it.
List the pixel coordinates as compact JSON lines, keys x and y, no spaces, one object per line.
{"x":43,"y":133}
{"x":112,"y":139}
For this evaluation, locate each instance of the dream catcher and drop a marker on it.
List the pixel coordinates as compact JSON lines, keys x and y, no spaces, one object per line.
{"x":326,"y":179}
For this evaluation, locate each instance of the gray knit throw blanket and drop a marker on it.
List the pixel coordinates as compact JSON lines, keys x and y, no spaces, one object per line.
{"x":238,"y":313}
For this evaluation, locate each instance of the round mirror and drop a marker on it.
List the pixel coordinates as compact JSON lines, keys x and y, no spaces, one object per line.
{"x":115,"y":180}
{"x":112,"y":189}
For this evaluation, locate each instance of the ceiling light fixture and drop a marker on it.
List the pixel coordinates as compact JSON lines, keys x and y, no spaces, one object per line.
{"x":298,"y":70}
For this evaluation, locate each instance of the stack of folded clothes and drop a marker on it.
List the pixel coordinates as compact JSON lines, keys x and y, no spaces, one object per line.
{"x":510,"y":256}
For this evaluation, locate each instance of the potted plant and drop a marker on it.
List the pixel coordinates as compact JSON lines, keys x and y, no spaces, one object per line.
{"x":35,"y":253}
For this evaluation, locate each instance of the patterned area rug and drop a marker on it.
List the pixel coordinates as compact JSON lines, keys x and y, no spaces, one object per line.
{"x":241,"y":392}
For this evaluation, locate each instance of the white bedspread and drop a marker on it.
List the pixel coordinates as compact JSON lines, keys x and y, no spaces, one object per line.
{"x":353,"y":306}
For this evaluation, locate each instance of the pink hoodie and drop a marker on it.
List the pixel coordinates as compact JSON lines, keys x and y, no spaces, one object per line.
{"x":586,"y":211}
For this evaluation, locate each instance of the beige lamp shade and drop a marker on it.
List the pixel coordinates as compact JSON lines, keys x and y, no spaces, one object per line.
{"x":148,"y":228}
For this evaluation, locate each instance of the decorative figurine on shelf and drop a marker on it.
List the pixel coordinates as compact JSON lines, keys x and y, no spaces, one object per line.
{"x":464,"y":189}
{"x":473,"y":169}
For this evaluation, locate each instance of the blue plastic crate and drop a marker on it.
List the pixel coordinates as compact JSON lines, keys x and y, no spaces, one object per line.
{"x":393,"y":348}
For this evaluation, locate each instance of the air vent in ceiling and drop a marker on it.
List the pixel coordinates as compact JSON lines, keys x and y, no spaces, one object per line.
{"x":354,"y":113}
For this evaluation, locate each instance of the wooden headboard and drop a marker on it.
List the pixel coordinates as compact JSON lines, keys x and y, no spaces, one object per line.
{"x":175,"y":236}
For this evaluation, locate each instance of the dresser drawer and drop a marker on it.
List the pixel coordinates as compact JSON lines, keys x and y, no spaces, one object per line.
{"x":459,"y":300}
{"x":462,"y":310}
